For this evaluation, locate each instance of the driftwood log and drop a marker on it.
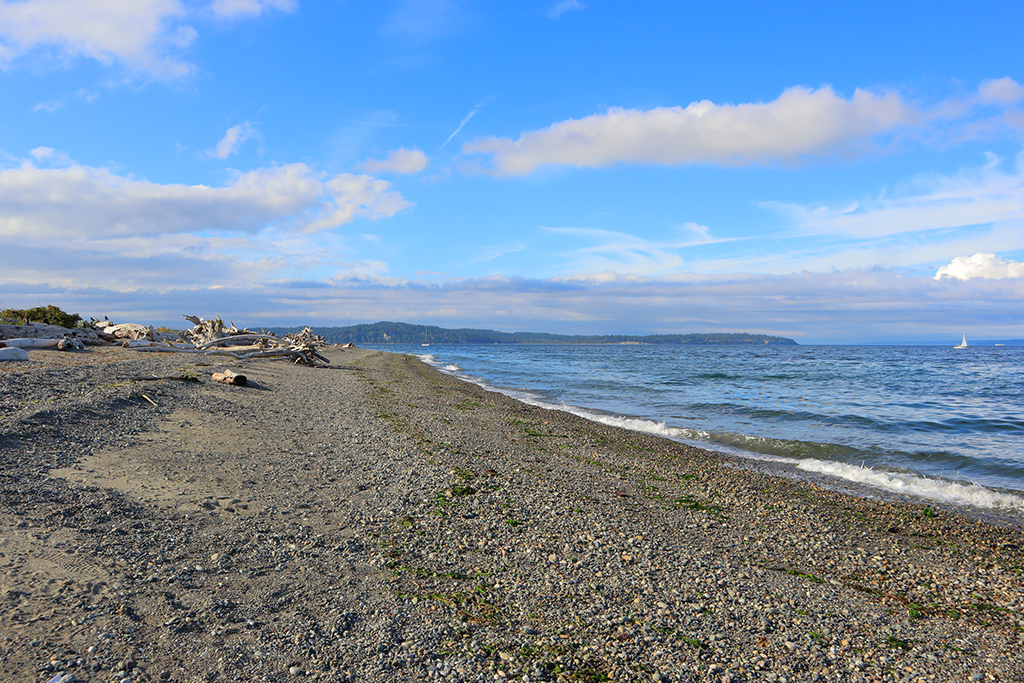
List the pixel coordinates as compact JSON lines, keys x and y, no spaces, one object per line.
{"x":230,"y":377}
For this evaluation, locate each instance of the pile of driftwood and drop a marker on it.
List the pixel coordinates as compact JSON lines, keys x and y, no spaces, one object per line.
{"x":208,"y":337}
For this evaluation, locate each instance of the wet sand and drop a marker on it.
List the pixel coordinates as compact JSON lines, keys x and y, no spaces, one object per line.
{"x":380,"y":521}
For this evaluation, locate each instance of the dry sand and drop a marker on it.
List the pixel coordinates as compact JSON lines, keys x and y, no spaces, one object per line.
{"x":379,"y":521}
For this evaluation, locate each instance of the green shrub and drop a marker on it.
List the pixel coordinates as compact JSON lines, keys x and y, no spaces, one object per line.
{"x":51,"y":315}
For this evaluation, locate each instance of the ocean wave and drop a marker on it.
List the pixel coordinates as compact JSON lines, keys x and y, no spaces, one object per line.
{"x":914,"y":485}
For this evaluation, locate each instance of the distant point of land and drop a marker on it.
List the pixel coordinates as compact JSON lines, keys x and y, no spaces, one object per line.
{"x":405,"y":333}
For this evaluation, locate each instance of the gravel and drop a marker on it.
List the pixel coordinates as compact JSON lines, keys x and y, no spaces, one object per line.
{"x":380,"y":521}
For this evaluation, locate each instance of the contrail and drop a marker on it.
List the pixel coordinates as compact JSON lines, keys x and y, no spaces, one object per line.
{"x":465,"y":121}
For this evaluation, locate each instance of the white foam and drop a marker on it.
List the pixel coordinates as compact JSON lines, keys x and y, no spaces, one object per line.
{"x":914,"y":485}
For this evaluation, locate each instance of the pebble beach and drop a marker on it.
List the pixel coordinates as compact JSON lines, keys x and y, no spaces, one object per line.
{"x":381,"y":521}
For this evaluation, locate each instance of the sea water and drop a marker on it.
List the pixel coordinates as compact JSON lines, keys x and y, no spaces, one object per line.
{"x":934,"y":423}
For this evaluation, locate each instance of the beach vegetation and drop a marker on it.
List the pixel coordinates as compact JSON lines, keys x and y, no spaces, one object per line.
{"x":915,"y":611}
{"x":894,"y":642}
{"x":928,"y":512}
{"x":49,"y":315}
{"x":464,"y":474}
{"x":694,"y":642}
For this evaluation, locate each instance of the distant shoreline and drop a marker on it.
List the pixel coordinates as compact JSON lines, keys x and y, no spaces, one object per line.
{"x":405,"y":333}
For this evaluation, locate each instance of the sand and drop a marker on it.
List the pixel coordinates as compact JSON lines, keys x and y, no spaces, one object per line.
{"x":380,"y":521}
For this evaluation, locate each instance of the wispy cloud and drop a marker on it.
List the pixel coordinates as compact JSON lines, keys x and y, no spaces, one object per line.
{"x":625,"y":254}
{"x":233,"y":140}
{"x":49,"y":106}
{"x":419,"y":21}
{"x":399,"y":161}
{"x":230,"y":9}
{"x":565,"y":6}
{"x":490,"y":253}
{"x":465,"y":120}
{"x":972,"y":197}
{"x":801,"y":124}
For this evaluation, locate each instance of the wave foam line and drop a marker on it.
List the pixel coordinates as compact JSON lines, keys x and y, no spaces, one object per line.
{"x":934,"y":489}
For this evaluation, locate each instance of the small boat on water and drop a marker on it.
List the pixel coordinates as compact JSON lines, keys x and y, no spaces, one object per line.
{"x":962,"y":344}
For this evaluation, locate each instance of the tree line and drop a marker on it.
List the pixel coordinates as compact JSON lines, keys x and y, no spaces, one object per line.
{"x":406,"y":333}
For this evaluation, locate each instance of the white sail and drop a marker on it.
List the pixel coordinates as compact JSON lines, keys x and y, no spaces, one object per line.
{"x":962,"y":344}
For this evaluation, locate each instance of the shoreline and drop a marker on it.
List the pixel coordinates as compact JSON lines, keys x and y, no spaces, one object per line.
{"x":381,"y":520}
{"x":788,"y":466}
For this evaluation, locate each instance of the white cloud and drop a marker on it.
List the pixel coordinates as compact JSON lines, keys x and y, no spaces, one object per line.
{"x":142,"y":34}
{"x":48,"y":206}
{"x":49,"y":106}
{"x":399,"y":161}
{"x":230,"y":9}
{"x":146,"y":36}
{"x":981,"y":265}
{"x":1000,"y":91}
{"x":565,"y":6}
{"x":801,"y":124}
{"x":233,"y":140}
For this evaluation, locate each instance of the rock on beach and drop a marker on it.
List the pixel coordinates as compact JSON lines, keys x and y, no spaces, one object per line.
{"x":380,"y":521}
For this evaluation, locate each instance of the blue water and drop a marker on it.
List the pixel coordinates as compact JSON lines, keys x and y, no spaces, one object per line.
{"x":931,"y":422}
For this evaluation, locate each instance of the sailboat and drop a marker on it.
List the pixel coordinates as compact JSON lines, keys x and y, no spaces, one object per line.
{"x":963,"y":344}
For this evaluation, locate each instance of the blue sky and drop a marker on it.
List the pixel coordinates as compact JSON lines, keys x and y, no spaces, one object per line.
{"x":842,"y":175}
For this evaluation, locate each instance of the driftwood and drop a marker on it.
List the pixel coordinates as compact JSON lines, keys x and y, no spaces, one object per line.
{"x":86,"y":335}
{"x":63,"y":344}
{"x":213,"y":337}
{"x":130,"y":331}
{"x":25,"y":343}
{"x":210,"y":330}
{"x":230,"y":377}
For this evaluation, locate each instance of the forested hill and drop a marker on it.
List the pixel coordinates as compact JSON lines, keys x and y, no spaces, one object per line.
{"x":404,"y":333}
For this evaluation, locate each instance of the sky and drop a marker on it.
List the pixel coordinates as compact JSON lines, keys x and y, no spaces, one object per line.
{"x":835,"y":174}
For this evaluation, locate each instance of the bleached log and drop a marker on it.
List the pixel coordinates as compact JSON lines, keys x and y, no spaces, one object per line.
{"x":41,"y":331}
{"x":240,"y":338}
{"x":230,"y":377}
{"x":141,"y":343}
{"x":26,"y":343}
